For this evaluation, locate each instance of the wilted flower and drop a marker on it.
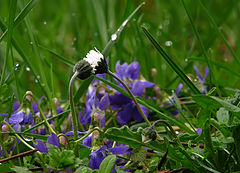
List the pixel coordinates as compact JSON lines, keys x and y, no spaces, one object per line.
{"x":93,"y":63}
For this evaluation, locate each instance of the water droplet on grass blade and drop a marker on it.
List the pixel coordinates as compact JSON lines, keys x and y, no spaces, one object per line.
{"x":44,"y":22}
{"x":168,"y":43}
{"x":114,"y":37}
{"x":186,"y":60}
{"x":27,"y":69}
{"x":38,"y":76}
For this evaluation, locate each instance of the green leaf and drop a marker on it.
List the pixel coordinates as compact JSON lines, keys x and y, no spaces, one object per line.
{"x":174,"y":66}
{"x":5,"y":167}
{"x":83,"y":169}
{"x":62,"y":160}
{"x":228,"y":106}
{"x":206,"y":102}
{"x":223,"y":116}
{"x":107,"y":164}
{"x":19,"y":169}
{"x":218,"y":126}
{"x":139,"y":155}
{"x":125,"y":136}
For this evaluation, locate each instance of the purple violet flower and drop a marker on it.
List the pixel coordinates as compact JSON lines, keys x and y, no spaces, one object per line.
{"x":52,"y":140}
{"x":202,"y":79}
{"x":98,"y":155}
{"x":127,"y":109}
{"x":94,"y":106}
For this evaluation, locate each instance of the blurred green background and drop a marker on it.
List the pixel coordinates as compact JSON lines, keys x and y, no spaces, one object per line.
{"x":72,"y":28}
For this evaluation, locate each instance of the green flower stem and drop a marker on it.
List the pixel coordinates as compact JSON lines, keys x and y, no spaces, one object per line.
{"x":41,"y":113}
{"x":73,"y":112}
{"x":88,"y":133}
{"x":24,"y":142}
{"x":19,"y":159}
{"x":132,"y":96}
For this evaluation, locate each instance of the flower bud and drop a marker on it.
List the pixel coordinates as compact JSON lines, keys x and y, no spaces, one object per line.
{"x":154,"y":73}
{"x":93,"y":63}
{"x":29,"y":96}
{"x":5,"y":128}
{"x":63,"y":140}
{"x":149,"y":134}
{"x":55,"y":101}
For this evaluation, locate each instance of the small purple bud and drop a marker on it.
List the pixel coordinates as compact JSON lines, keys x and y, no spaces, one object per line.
{"x":63,"y":141}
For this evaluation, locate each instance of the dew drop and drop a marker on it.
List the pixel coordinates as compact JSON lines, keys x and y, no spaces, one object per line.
{"x":160,"y":26}
{"x":195,"y":80}
{"x":17,"y":65}
{"x":38,"y":76}
{"x":44,"y":22}
{"x":74,"y":39}
{"x":168,"y":43}
{"x":186,"y":60}
{"x":31,"y":42}
{"x":28,"y":139}
{"x":125,"y":22}
{"x":114,"y":37}
{"x":27,"y":69}
{"x":43,"y":84}
{"x":36,"y":81}
{"x":177,"y":132}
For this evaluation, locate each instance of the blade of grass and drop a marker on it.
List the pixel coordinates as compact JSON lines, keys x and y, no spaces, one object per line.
{"x":41,"y":68}
{"x":41,"y":123}
{"x":114,"y":36}
{"x":174,"y":66}
{"x":42,"y":137}
{"x":21,"y":16}
{"x":208,"y":143}
{"x":12,"y":11}
{"x":212,"y":21}
{"x":59,"y":57}
{"x":212,"y":78}
{"x":22,"y":54}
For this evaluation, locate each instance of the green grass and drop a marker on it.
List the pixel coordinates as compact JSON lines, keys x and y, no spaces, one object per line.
{"x":73,"y":28}
{"x":40,"y":41}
